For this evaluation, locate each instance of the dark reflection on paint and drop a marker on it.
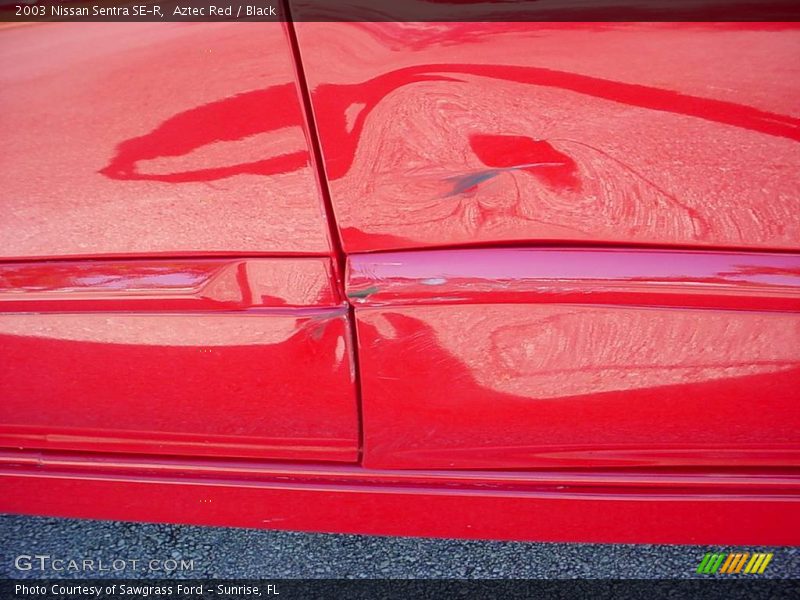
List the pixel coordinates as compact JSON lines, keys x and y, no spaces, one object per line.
{"x":260,"y":111}
{"x":548,"y":12}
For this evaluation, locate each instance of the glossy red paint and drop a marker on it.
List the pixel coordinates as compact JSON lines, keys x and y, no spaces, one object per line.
{"x":641,"y":133}
{"x":502,"y":387}
{"x":154,"y":138}
{"x":207,"y":358}
{"x":167,"y":285}
{"x":555,"y":358}
{"x":722,"y":280}
{"x":737,"y":508}
{"x":739,"y":482}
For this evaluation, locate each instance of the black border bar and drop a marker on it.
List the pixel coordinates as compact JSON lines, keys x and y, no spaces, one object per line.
{"x":401,"y":10}
{"x":403,"y":589}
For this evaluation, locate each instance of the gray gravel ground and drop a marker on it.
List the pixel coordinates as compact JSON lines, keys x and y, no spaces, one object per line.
{"x":244,"y":553}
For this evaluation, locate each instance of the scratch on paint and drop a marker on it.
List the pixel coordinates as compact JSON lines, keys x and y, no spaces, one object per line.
{"x":464,"y":183}
{"x":362,"y":293}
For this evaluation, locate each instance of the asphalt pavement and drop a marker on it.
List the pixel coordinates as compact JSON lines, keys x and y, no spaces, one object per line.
{"x":159,"y":551}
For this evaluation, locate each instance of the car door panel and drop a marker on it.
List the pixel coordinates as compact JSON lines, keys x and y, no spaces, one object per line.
{"x":598,"y":171}
{"x":245,"y":358}
{"x":666,"y":134}
{"x":536,"y":358}
{"x":154,"y":139}
{"x":168,"y":281}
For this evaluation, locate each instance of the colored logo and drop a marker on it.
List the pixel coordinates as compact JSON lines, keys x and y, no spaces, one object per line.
{"x":734,"y":562}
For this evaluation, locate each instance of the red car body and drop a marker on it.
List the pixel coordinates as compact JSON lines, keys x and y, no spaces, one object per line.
{"x":515,"y":280}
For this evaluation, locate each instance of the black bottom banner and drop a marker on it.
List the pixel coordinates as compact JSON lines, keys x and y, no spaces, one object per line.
{"x":403,"y":589}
